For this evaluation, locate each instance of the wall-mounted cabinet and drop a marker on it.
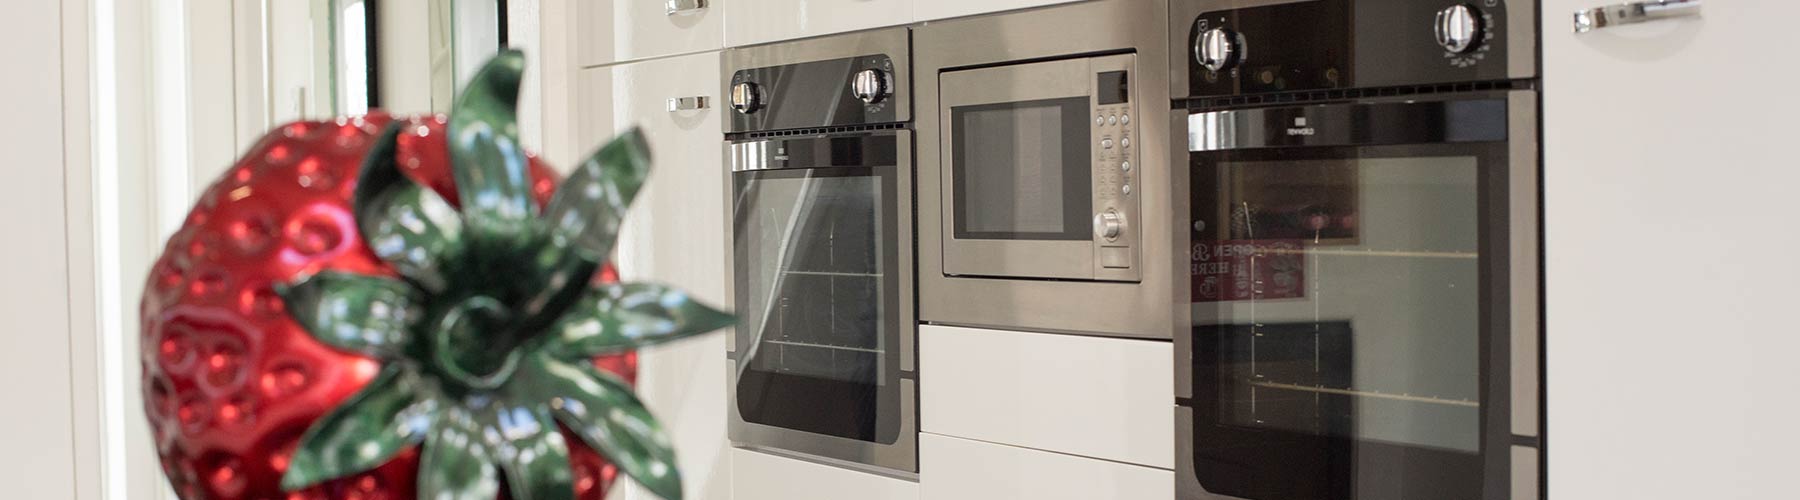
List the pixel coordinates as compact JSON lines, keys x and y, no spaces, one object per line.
{"x":931,"y":10}
{"x":764,"y":21}
{"x":628,"y":30}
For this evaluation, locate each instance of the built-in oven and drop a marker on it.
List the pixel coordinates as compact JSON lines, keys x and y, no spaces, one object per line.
{"x":1364,"y":257}
{"x":822,"y":362}
{"x":1045,"y":192}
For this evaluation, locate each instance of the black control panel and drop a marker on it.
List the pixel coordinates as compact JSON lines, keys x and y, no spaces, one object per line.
{"x":836,"y":92}
{"x":1343,"y":44}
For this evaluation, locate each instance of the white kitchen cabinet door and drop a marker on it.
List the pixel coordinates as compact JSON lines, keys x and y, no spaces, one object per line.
{"x":763,"y":21}
{"x":761,"y":476}
{"x":959,"y":469}
{"x":675,"y":234}
{"x":1096,"y":397}
{"x":931,"y":10}
{"x":1670,"y":250}
{"x":611,"y":31}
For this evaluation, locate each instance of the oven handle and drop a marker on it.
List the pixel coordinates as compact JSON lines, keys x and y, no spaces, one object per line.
{"x":1357,"y":124}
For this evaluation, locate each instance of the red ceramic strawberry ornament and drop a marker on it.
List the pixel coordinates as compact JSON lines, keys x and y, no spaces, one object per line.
{"x":379,"y":308}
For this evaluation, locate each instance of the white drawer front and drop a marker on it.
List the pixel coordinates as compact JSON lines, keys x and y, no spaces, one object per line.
{"x":1090,"y":396}
{"x":761,"y":476}
{"x":626,"y":30}
{"x":931,"y":10}
{"x":763,"y":21}
{"x":959,"y":469}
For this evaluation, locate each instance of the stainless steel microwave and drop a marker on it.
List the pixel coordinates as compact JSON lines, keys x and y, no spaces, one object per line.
{"x":1041,"y":161}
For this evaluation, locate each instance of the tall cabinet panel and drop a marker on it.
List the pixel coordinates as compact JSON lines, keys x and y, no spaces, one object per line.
{"x":628,"y":30}
{"x":931,"y":10}
{"x":1669,"y":172}
{"x":675,"y":234}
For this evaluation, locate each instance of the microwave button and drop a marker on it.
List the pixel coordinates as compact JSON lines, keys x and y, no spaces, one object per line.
{"x":1124,"y":119}
{"x":1112,"y":120}
{"x":1125,"y":142}
{"x":1109,"y":225}
{"x":1106,"y":144}
{"x":1125,"y":189}
{"x":1125,"y":166}
{"x":1099,"y":120}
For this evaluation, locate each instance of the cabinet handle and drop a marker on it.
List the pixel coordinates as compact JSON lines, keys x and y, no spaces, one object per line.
{"x":674,"y":7}
{"x":687,"y":103}
{"x":1633,"y":13}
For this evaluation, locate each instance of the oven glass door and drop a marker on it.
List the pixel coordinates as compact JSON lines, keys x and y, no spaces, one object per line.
{"x":1350,"y":320}
{"x":818,"y":284}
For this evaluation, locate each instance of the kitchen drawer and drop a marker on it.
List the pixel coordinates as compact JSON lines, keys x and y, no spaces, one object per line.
{"x":1095,"y":397}
{"x":627,"y":30}
{"x":932,"y":10}
{"x":763,"y":21}
{"x":761,"y":476}
{"x":676,"y":231}
{"x":959,"y":469}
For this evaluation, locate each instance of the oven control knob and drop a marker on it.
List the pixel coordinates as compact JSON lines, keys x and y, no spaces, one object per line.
{"x":1458,"y":27}
{"x":746,"y":97}
{"x":872,"y":85}
{"x":1218,"y":49}
{"x":1109,"y":225}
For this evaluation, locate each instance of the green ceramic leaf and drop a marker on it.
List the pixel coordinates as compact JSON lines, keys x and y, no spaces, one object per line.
{"x":356,"y":313}
{"x":487,"y":162}
{"x":533,"y":454}
{"x":608,"y":417}
{"x":616,"y":317}
{"x":589,"y":206}
{"x":363,"y":432}
{"x":406,"y":224}
{"x":454,"y":462}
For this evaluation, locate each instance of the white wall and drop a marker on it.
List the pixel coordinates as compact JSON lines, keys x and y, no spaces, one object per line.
{"x":38,"y":425}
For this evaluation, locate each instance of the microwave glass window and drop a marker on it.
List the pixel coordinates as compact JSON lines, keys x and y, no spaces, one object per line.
{"x":1342,"y":297}
{"x":1022,"y":170}
{"x":816,"y":299}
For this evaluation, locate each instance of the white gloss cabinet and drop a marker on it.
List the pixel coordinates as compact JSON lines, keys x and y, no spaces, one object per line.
{"x":615,"y":31}
{"x":1104,"y":398}
{"x":960,"y":469}
{"x":931,"y":10}
{"x":761,"y":476}
{"x":762,"y":21}
{"x":675,"y":233}
{"x":1669,"y":177}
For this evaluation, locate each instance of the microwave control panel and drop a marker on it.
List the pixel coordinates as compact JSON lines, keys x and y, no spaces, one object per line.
{"x":1116,"y":166}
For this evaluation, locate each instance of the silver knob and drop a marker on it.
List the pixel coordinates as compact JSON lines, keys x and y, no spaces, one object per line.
{"x":872,"y":85}
{"x":1217,"y":49}
{"x":1109,"y":225}
{"x":746,"y":97}
{"x":1457,"y":28}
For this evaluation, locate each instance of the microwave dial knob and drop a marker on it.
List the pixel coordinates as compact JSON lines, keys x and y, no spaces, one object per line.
{"x":746,"y":97}
{"x":1458,"y":28}
{"x":1218,"y":49}
{"x":1109,"y":225}
{"x":872,"y":85}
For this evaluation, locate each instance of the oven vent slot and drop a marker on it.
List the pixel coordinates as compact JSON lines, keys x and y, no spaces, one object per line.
{"x":1341,"y":94}
{"x":821,"y":130}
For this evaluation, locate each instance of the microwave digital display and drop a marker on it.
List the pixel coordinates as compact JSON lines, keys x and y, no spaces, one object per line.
{"x":1113,"y":88}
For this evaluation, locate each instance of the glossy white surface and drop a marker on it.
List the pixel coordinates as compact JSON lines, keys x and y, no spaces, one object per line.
{"x":761,"y":476}
{"x":1670,"y":255}
{"x":929,"y":10}
{"x":763,"y":21}
{"x":960,"y":469}
{"x":675,"y":234}
{"x":627,"y":30}
{"x":1096,"y":397}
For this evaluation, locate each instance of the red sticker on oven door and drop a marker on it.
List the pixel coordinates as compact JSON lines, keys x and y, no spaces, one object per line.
{"x":1232,"y":270}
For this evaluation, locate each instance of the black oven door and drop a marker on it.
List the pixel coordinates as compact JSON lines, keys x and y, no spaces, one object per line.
{"x":822,"y":264}
{"x":1364,"y":290}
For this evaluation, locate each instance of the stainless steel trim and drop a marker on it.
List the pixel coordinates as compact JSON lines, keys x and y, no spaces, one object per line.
{"x":1525,"y":480}
{"x":898,"y":460}
{"x":1187,"y":485}
{"x":894,"y":42}
{"x":673,"y":7}
{"x":1521,"y":38}
{"x":1183,"y":303}
{"x":1212,"y":131}
{"x":688,"y":103}
{"x":1632,"y":13}
{"x":1525,"y":316}
{"x":1144,"y":309}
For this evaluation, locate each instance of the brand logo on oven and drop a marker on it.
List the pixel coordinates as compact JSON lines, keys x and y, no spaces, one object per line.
{"x":1300,"y":128}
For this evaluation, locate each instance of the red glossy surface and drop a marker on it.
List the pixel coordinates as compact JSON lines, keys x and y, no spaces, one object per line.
{"x":230,"y":381}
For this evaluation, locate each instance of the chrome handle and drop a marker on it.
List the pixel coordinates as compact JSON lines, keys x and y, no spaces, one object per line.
{"x":673,"y":7}
{"x":1633,"y":13}
{"x":687,"y":103}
